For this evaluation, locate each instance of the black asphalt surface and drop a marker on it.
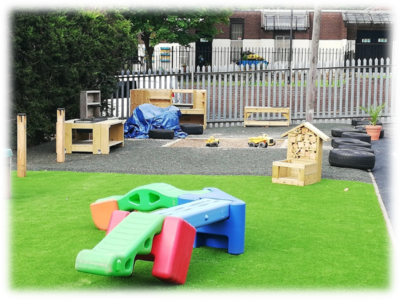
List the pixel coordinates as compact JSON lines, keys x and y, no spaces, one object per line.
{"x":150,"y":156}
{"x":386,"y":159}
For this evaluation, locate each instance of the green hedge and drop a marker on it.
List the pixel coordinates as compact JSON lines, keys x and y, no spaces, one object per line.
{"x":58,"y":53}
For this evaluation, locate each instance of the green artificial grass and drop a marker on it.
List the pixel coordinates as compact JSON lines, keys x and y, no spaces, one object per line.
{"x":317,"y":237}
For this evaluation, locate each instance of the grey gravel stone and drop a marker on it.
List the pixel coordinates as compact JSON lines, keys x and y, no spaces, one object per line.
{"x":148,"y":156}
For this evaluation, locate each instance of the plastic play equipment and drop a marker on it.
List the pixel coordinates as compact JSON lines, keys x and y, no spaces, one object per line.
{"x":212,"y":142}
{"x":262,"y":141}
{"x":145,"y":198}
{"x":209,"y":217}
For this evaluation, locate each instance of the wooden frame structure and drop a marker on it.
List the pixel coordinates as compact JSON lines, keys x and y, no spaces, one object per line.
{"x":303,"y":165}
{"x":95,"y":137}
{"x":249,"y":110}
{"x":193,"y":113}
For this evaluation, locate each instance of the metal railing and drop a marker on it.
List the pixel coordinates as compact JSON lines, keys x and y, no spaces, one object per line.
{"x":341,"y":89}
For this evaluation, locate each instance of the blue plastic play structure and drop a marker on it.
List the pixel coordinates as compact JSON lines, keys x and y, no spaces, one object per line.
{"x":209,"y":217}
{"x":148,"y":116}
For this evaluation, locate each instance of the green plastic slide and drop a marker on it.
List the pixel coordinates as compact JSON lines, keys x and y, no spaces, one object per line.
{"x":115,"y":254}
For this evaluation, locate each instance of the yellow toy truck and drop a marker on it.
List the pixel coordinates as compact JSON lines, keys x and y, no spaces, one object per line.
{"x":212,"y":142}
{"x":262,"y":141}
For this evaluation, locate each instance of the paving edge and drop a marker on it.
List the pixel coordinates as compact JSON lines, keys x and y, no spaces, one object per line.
{"x":384,"y":211}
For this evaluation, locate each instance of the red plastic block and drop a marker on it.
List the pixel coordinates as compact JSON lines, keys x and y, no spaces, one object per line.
{"x":116,"y":217}
{"x":172,"y":250}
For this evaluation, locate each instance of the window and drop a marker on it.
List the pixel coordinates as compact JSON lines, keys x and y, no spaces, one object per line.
{"x":366,"y":41}
{"x":237,"y":29}
{"x":236,"y":36}
{"x":381,"y":40}
{"x":282,"y":47}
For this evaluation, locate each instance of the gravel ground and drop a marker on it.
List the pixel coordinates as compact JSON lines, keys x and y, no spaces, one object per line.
{"x":150,"y":156}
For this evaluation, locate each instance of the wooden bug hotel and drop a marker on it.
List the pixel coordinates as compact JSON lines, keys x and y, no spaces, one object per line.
{"x":303,"y":165}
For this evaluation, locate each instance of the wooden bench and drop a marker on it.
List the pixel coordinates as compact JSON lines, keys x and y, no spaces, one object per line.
{"x":249,"y":110}
{"x":193,"y":113}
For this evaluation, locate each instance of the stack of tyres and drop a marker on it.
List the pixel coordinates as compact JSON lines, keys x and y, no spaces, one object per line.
{"x":352,"y":150}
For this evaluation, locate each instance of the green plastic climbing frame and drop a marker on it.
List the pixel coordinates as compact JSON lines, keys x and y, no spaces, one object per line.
{"x":150,"y":197}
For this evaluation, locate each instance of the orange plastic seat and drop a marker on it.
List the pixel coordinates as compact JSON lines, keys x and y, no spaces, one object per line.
{"x":102,"y":211}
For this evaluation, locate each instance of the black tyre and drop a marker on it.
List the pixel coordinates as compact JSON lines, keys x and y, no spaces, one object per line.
{"x":166,"y":134}
{"x":252,"y":144}
{"x":349,"y":141}
{"x":366,"y":122}
{"x":362,"y":129}
{"x":355,"y":121}
{"x":215,"y":144}
{"x":262,"y":145}
{"x":349,"y":158}
{"x":192,"y":128}
{"x":356,"y":148}
{"x":337,"y":132}
{"x":357,"y":135}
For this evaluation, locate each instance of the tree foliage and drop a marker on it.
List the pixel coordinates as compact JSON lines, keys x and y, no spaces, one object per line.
{"x":177,"y":25}
{"x":58,"y":53}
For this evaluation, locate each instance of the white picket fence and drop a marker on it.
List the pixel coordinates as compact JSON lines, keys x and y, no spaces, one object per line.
{"x":222,"y":57}
{"x":342,"y":87}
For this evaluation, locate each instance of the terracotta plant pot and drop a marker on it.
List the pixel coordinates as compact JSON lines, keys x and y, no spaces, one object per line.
{"x":374,"y":131}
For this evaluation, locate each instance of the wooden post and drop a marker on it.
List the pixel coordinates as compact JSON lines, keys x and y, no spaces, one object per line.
{"x":21,"y":145}
{"x":60,"y":135}
{"x":310,"y":98}
{"x":5,"y":177}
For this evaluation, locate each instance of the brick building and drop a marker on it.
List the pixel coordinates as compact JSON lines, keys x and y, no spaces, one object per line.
{"x":345,"y":34}
{"x":362,"y":33}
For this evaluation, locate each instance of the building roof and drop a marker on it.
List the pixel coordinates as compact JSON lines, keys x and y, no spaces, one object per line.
{"x":368,"y":17}
{"x":310,"y":126}
{"x":284,"y":20}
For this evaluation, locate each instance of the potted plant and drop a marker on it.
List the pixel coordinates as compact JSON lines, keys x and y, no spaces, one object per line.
{"x":374,"y":113}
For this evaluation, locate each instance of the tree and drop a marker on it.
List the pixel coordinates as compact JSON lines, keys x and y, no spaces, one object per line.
{"x":178,"y":25}
{"x":56,"y":54}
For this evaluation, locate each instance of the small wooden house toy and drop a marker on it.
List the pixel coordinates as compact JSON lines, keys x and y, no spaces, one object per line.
{"x":303,"y":165}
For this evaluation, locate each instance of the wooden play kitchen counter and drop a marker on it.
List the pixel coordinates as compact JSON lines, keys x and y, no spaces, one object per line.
{"x":93,"y":135}
{"x":194,"y":112}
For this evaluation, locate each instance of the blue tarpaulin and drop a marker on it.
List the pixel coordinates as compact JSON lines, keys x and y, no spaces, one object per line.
{"x":148,"y":116}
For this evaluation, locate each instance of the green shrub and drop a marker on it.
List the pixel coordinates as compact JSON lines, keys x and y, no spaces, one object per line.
{"x":56,"y":54}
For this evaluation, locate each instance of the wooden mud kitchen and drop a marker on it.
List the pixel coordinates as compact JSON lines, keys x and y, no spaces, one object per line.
{"x":193,"y":112}
{"x":303,"y":165}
